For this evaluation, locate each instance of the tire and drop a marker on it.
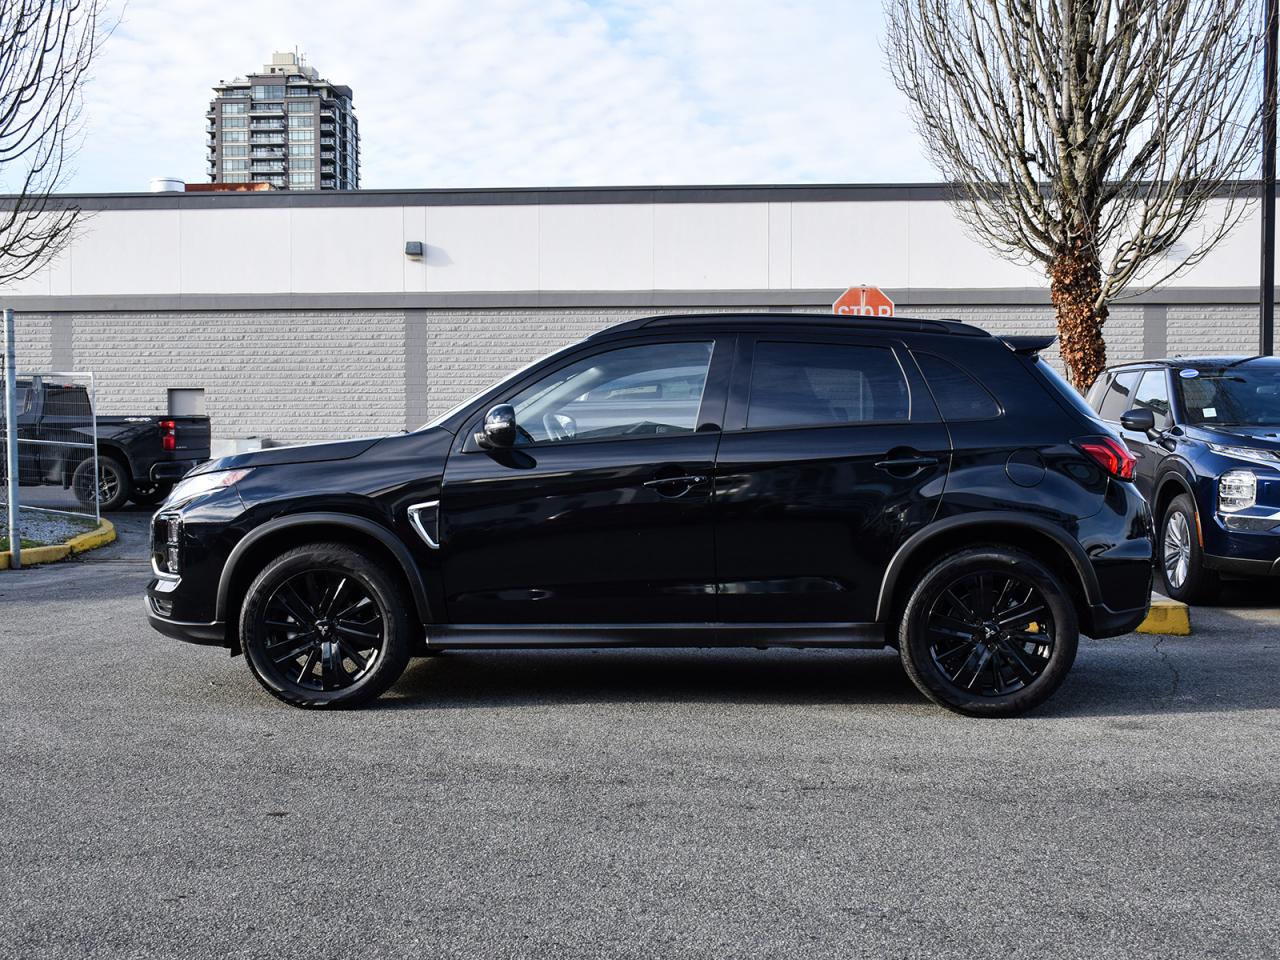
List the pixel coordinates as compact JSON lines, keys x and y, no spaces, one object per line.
{"x":958,"y":653}
{"x":1180,"y":558}
{"x":149,"y":494}
{"x":299,"y":644}
{"x":114,"y":483}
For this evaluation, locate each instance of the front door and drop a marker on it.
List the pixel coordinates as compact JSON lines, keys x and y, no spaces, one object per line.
{"x":601,"y":512}
{"x":833,"y":454}
{"x":1151,"y":393}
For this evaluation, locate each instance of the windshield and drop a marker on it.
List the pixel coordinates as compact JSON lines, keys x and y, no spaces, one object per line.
{"x":1231,"y":396}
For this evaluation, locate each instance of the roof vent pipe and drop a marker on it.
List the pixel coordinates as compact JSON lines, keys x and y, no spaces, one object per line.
{"x":167,"y":185}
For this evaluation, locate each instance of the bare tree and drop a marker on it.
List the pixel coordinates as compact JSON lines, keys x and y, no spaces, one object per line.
{"x":46,"y":50}
{"x":1087,"y":135}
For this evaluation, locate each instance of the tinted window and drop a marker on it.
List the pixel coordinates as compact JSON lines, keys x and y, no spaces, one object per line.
{"x":1153,"y":394}
{"x":1232,"y":396}
{"x":1119,"y":396}
{"x":958,"y":395}
{"x":1065,"y":390}
{"x":800,"y":384}
{"x":650,"y":390}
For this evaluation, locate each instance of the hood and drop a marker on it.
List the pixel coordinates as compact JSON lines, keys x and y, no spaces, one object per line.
{"x":302,"y":453}
{"x":1263,"y":438}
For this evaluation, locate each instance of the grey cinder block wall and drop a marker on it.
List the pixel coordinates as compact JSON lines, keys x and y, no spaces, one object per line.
{"x":293,"y":376}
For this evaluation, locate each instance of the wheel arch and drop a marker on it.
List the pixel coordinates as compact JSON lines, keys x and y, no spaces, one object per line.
{"x":1171,"y":485}
{"x":74,"y":457}
{"x":1040,"y":538}
{"x":255,"y":550}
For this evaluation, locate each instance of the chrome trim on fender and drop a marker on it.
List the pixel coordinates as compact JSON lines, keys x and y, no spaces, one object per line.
{"x":415,"y":520}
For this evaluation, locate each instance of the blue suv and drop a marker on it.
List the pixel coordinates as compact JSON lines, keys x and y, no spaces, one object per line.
{"x":1206,"y":434}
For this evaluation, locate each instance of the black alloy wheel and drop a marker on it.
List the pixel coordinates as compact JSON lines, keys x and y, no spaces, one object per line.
{"x":149,"y":494}
{"x":989,"y":632}
{"x":112,"y":483}
{"x":325,"y":626}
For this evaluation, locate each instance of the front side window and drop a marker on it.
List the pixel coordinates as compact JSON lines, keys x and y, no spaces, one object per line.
{"x":811,"y":384}
{"x":649,"y":390}
{"x":1153,"y":394}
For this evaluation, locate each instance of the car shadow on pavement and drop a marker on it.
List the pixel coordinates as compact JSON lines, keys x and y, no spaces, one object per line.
{"x":1139,"y":676}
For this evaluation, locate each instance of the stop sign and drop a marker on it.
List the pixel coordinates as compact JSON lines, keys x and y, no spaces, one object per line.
{"x":863,"y":302}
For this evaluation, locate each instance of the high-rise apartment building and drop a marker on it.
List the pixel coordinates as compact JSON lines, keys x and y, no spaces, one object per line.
{"x":286,"y":126}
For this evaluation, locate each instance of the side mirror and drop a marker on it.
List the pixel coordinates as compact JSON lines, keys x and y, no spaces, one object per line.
{"x":1139,"y":420}
{"x":499,"y":428}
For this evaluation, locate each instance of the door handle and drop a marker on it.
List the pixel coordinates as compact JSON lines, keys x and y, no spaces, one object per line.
{"x":667,"y":481}
{"x":906,"y":463}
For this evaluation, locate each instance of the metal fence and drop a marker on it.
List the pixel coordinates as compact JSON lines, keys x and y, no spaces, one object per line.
{"x":48,"y":456}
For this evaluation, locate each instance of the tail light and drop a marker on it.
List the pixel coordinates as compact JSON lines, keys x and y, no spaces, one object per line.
{"x":168,"y":435}
{"x":1110,"y":454}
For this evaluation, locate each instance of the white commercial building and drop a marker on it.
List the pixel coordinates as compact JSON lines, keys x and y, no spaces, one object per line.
{"x":298,"y":316}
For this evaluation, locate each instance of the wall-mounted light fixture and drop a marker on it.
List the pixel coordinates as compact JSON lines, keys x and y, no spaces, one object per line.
{"x":413,"y":249}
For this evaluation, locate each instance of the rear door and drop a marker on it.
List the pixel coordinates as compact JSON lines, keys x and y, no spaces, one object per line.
{"x":833,"y":454}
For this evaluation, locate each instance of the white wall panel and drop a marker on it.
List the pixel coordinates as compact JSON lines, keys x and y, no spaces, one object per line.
{"x":482,"y":248}
{"x":711,"y":246}
{"x":232,"y":251}
{"x":121,"y":252}
{"x":942,"y":254}
{"x":347,"y":250}
{"x":596,"y":247}
{"x":843,"y":244}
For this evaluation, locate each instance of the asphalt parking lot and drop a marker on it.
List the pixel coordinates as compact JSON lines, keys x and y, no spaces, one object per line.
{"x":717,"y":804}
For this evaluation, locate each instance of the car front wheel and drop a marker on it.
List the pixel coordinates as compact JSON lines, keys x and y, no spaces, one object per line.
{"x":988,"y":632}
{"x":325,"y":626}
{"x":1182,"y":568}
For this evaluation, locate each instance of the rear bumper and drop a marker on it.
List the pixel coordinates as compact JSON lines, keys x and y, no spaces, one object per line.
{"x":167,"y":470}
{"x":1105,"y":622}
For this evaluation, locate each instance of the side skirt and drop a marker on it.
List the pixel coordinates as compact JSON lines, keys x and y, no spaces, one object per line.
{"x":491,"y":635}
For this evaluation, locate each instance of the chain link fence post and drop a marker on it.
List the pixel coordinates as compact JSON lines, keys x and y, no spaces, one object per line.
{"x":11,"y":438}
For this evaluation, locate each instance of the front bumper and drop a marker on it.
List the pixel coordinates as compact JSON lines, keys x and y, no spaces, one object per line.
{"x":1243,"y":566}
{"x":207,"y":634}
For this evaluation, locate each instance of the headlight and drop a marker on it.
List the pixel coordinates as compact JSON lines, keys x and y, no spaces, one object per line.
{"x":1252,"y":454}
{"x":204,"y":483}
{"x":1237,"y":490}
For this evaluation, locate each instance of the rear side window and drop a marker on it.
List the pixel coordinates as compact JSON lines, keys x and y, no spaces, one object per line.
{"x":1119,"y":395}
{"x":808,"y":384}
{"x":958,"y":395}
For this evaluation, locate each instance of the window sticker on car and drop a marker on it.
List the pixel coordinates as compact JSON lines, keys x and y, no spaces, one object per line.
{"x":1188,"y":374}
{"x":1210,"y":411}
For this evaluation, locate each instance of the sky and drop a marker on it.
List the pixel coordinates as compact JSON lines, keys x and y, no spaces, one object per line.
{"x":491,"y":93}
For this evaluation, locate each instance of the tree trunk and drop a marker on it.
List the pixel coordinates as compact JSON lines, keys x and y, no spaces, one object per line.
{"x":1075,"y":279}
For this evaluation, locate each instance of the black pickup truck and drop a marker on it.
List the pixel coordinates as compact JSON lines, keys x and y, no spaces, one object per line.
{"x":139,"y":458}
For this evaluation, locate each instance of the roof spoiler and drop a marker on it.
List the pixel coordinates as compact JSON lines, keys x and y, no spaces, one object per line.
{"x":1029,"y":345}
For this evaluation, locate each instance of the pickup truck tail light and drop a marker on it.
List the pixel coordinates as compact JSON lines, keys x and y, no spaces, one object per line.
{"x":1110,"y":454}
{"x":168,"y":435}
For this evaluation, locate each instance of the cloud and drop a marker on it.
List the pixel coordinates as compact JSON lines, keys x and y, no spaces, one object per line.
{"x":451,"y":93}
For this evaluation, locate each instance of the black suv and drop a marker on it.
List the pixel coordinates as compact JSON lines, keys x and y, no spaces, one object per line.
{"x":734,"y":480}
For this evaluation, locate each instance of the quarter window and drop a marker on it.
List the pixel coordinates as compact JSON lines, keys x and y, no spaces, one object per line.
{"x":958,"y":395}
{"x":642,"y":391}
{"x":808,"y":384}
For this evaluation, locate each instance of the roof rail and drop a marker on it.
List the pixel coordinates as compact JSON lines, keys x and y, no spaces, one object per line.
{"x":895,"y":323}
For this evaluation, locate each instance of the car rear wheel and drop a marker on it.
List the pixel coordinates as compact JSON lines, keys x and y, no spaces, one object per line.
{"x":113,"y":483}
{"x":1181,"y":559}
{"x":149,"y":494}
{"x":325,"y":626}
{"x":988,"y":632}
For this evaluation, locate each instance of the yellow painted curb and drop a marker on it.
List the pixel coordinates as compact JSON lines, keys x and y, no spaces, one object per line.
{"x":1168,"y":618}
{"x":106,"y":533}
{"x":34,"y":556}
